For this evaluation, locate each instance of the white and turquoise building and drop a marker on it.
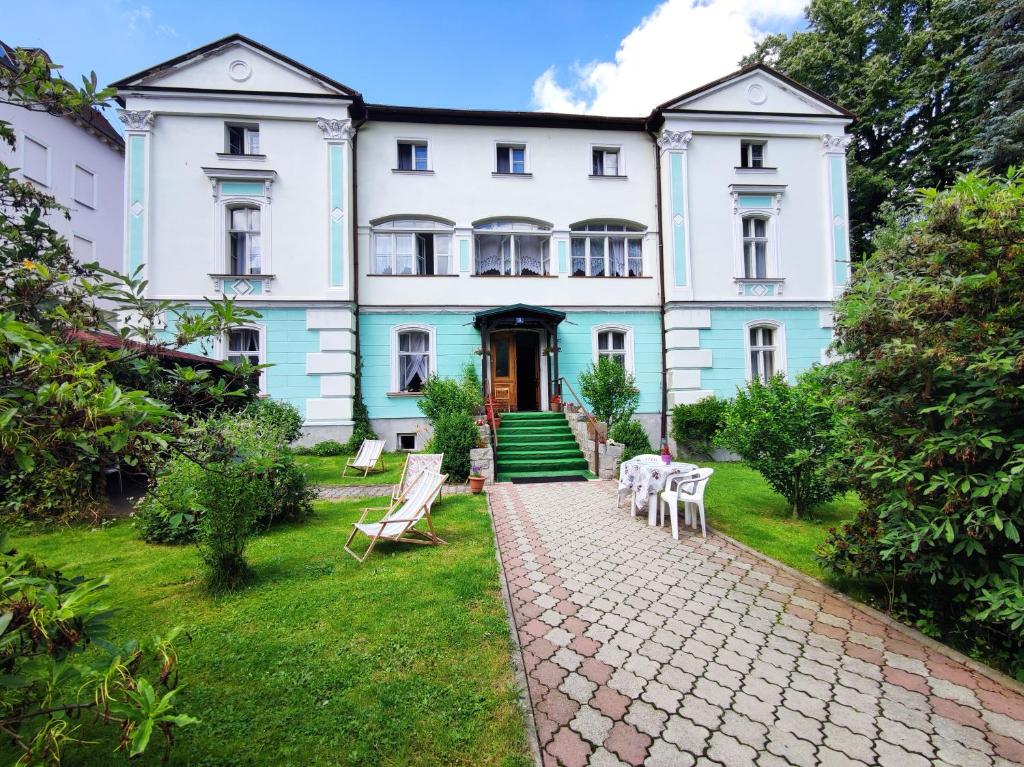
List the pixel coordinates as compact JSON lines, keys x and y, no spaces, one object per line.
{"x":701,"y":245}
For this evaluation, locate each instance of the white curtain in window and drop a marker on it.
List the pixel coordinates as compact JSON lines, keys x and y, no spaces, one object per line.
{"x":616,"y":256}
{"x":530,"y":255}
{"x":611,"y":163}
{"x":413,"y":360}
{"x":636,"y":260}
{"x":442,"y":254}
{"x":492,"y":254}
{"x":597,"y":256}
{"x":579,"y":257}
{"x":244,"y":343}
{"x":383,"y":247}
{"x":405,"y":249}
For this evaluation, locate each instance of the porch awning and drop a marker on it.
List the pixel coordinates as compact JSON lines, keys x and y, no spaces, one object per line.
{"x":517,"y":315}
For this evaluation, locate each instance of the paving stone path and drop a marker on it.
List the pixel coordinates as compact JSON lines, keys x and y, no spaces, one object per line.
{"x":640,"y":649}
{"x":344,"y":492}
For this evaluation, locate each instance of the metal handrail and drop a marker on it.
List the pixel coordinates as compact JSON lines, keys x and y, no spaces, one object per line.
{"x":590,"y":419}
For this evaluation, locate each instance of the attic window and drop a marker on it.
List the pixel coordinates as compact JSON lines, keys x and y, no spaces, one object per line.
{"x":243,"y":139}
{"x":751,"y":154}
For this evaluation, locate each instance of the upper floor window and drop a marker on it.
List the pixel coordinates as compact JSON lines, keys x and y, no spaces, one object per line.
{"x":763,"y":350}
{"x":35,"y":163}
{"x":245,"y":250}
{"x":412,"y":155}
{"x":607,"y":162}
{"x":751,"y":154}
{"x":755,"y":247}
{"x":246,"y":345}
{"x":607,"y":250}
{"x":413,"y":358}
{"x":512,"y":248}
{"x":511,"y":158}
{"x":243,"y":139}
{"x":412,"y":246}
{"x":85,"y":187}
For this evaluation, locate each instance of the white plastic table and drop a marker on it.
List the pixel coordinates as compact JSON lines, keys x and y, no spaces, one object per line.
{"x":646,"y":480}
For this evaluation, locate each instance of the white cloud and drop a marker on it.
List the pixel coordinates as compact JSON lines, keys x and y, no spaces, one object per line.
{"x":681,"y":45}
{"x":141,"y":19}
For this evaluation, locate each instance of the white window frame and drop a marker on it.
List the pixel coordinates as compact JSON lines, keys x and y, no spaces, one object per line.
{"x":399,"y":140}
{"x":745,"y":219}
{"x":248,"y":129}
{"x":746,"y":154}
{"x":512,"y":145}
{"x":221,"y":202}
{"x":49,"y":159}
{"x":225,"y":344}
{"x":780,"y":362}
{"x":395,"y":227}
{"x":230,"y":208}
{"x":75,"y":167}
{"x":630,"y":232}
{"x":773,"y":258}
{"x":513,"y":228}
{"x":396,"y":331}
{"x":627,"y":330}
{"x":617,"y":149}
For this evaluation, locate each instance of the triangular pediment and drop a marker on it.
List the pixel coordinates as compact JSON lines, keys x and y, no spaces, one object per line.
{"x":756,"y":90}
{"x":237,"y":63}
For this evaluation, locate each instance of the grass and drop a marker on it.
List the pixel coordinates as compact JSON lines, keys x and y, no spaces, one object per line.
{"x":327,"y":470}
{"x":401,"y":661}
{"x":740,"y":504}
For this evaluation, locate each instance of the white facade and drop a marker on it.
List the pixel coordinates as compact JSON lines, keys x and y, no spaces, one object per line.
{"x":375,"y":236}
{"x":80,"y":162}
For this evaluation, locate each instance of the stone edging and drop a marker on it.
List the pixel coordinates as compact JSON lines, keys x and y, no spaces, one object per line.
{"x":976,"y":666}
{"x":525,"y":704}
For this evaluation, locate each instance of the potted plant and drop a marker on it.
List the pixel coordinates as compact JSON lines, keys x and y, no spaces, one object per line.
{"x":556,"y":403}
{"x":476,"y":480}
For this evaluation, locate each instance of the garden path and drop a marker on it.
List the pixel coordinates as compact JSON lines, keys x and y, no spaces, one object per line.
{"x":640,"y":649}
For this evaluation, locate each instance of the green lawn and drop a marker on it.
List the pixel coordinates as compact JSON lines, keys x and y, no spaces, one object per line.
{"x":739,"y":503}
{"x":401,"y":661}
{"x":327,"y":470}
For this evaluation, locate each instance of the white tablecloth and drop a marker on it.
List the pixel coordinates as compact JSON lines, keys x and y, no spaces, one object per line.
{"x":645,"y":480}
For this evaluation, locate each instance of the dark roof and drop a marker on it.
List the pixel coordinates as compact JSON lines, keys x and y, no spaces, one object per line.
{"x":519,"y":309}
{"x":126,"y":82}
{"x":745,"y":71}
{"x":389,"y":113}
{"x":111,"y":341}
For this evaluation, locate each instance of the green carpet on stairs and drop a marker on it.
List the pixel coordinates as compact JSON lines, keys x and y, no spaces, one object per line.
{"x":538,"y":445}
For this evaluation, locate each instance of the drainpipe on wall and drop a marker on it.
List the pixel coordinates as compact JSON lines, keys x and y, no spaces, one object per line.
{"x":357,"y":388}
{"x":661,"y":292}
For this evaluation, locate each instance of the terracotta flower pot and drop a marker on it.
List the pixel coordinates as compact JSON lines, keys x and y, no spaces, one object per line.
{"x":476,"y":484}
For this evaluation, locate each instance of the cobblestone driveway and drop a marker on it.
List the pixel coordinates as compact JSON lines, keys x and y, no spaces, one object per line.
{"x":643,"y":650}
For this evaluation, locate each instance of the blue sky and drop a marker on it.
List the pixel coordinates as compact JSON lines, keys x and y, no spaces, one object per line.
{"x":488,"y":55}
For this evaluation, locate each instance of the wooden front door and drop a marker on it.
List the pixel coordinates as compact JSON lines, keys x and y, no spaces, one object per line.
{"x":503,"y":369}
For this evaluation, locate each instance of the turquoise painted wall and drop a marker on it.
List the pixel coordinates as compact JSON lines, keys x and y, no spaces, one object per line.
{"x":805,"y":339}
{"x":457,"y":339}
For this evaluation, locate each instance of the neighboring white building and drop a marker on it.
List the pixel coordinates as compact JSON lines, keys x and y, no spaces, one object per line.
{"x":699,"y":246}
{"x":79,"y":160}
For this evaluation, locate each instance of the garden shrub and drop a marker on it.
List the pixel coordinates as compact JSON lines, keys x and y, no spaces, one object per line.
{"x":455,"y":434}
{"x":789,"y":434}
{"x":283,"y":416}
{"x":329,"y":447}
{"x":611,"y":391}
{"x":451,"y":395}
{"x":633,"y":435}
{"x":695,"y":425}
{"x":361,"y":428}
{"x":933,"y":328}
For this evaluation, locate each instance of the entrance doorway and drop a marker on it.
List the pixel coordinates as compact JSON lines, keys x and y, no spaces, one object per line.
{"x":515,"y":369}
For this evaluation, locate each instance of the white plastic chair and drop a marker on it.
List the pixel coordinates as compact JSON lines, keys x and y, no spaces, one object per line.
{"x":690,"y":490}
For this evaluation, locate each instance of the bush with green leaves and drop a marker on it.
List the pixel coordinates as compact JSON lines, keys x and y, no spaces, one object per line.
{"x":933,"y":328}
{"x":451,"y":395}
{"x":51,"y":684}
{"x":328,"y":447}
{"x":633,"y":436}
{"x":454,"y":434}
{"x":283,"y":416}
{"x":695,"y":425}
{"x":789,"y":433}
{"x":362,"y":429}
{"x":610,"y":390}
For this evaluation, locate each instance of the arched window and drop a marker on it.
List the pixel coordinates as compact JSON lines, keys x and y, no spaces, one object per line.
{"x":413,"y":357}
{"x":408,"y":246}
{"x":512,"y":248}
{"x":245,"y":344}
{"x":765,"y":344}
{"x":614,"y":342}
{"x":245,"y":248}
{"x":755,"y":247}
{"x":602,"y":249}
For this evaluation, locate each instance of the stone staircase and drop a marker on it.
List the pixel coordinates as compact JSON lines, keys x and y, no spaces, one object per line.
{"x":534,"y":445}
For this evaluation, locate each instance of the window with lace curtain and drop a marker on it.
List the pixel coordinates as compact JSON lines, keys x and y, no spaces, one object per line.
{"x":246,"y":345}
{"x":607,"y":250}
{"x":512,"y":249}
{"x":412,"y":359}
{"x":762,"y":350}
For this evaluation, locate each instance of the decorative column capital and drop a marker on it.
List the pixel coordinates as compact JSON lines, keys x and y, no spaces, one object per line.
{"x":137,"y":121}
{"x":335,"y":130}
{"x":674,"y":139}
{"x":835,"y":144}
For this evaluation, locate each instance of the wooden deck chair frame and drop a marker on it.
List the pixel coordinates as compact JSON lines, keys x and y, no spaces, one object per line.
{"x":428,"y":483}
{"x":354,"y":462}
{"x":396,"y":492}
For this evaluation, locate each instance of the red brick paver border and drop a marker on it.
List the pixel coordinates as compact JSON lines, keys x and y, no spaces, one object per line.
{"x":640,"y":649}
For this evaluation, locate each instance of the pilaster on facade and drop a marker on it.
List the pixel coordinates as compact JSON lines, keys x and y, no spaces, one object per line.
{"x":138,"y":135}
{"x":834,"y":153}
{"x":684,"y":357}
{"x":334,"y":363}
{"x":338,"y":134}
{"x":673,"y":146}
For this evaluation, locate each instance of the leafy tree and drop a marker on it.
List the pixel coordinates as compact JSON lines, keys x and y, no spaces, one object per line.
{"x":611,"y":391}
{"x":999,"y":86}
{"x":789,"y":435}
{"x":933,"y":326}
{"x":904,"y":68}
